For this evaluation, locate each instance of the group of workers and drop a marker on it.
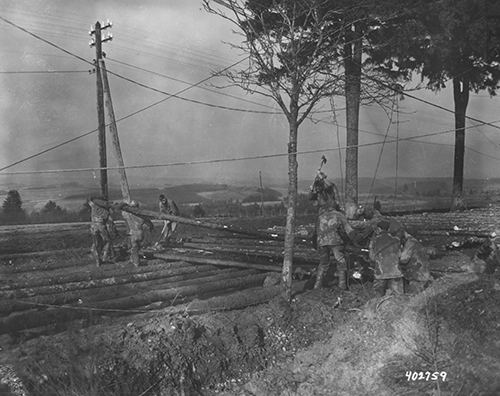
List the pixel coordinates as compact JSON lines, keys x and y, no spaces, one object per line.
{"x":396,"y":256}
{"x":103,"y":229}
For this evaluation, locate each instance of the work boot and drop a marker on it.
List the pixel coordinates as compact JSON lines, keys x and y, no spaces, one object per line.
{"x":342,"y":279}
{"x":320,"y":274}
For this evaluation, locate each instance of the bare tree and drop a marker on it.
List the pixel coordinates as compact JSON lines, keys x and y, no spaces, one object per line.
{"x":293,"y":58}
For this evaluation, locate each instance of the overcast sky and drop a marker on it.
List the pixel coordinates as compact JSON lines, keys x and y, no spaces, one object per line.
{"x":181,"y":40}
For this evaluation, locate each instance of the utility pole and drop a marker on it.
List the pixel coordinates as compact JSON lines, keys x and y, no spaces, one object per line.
{"x":114,"y":134}
{"x":261,"y":195}
{"x":97,"y":43}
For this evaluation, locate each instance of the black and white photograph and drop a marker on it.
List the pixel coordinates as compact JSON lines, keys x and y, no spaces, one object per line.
{"x":249,"y":197}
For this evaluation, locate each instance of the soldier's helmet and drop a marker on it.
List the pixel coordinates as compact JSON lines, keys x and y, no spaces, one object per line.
{"x":134,"y":204}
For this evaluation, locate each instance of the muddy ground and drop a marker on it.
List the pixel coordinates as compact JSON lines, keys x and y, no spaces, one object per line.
{"x":327,"y":342}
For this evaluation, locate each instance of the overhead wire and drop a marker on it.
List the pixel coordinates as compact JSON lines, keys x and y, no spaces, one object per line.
{"x":139,"y":83}
{"x":44,"y":71}
{"x":95,"y":130}
{"x":176,"y":95}
{"x":116,"y":74}
{"x":205,"y":88}
{"x":45,"y":40}
{"x":70,"y":31}
{"x":118,"y":120}
{"x":388,"y":86}
{"x":230,"y":159}
{"x":187,"y":82}
{"x":390,"y":116}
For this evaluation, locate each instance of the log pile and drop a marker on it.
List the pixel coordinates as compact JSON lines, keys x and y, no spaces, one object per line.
{"x":56,"y":294}
{"x":224,"y":270}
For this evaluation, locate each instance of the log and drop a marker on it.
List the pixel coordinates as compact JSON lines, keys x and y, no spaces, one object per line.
{"x":460,"y":233}
{"x":44,"y":253}
{"x":123,"y":306}
{"x":240,"y":242}
{"x":95,"y":273}
{"x":223,"y":263}
{"x":103,"y":282}
{"x":204,"y":224}
{"x":79,"y":258}
{"x":240,"y":299}
{"x":266,"y":252}
{"x":245,"y":278}
{"x":115,"y":291}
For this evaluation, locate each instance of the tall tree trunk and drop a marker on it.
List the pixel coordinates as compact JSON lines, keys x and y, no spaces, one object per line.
{"x":461,"y":98}
{"x":290,"y":214}
{"x":352,"y":66}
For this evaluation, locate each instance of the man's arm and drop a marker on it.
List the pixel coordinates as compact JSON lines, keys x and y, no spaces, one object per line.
{"x":149,"y":223}
{"x":175,"y":210}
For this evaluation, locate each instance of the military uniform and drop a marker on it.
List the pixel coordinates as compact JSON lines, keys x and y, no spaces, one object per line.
{"x":137,"y":224}
{"x":414,"y":260}
{"x":168,"y":207}
{"x":385,"y":252}
{"x":331,"y":229}
{"x":101,"y":240}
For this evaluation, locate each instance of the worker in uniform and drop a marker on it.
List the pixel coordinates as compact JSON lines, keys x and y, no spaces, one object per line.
{"x":414,"y":262}
{"x":168,"y":207}
{"x":331,"y":229}
{"x":385,"y":252}
{"x":487,"y":256}
{"x":137,"y":224}
{"x":100,"y":221}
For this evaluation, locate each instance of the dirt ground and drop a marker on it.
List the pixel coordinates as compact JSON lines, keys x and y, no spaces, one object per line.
{"x":451,"y":329}
{"x":204,"y":354}
{"x":327,"y":342}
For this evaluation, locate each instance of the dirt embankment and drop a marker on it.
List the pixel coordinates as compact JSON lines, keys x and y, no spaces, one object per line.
{"x":451,"y":329}
{"x":178,"y":354}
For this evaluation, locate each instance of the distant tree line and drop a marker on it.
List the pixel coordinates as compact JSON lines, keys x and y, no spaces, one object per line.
{"x":12,"y":211}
